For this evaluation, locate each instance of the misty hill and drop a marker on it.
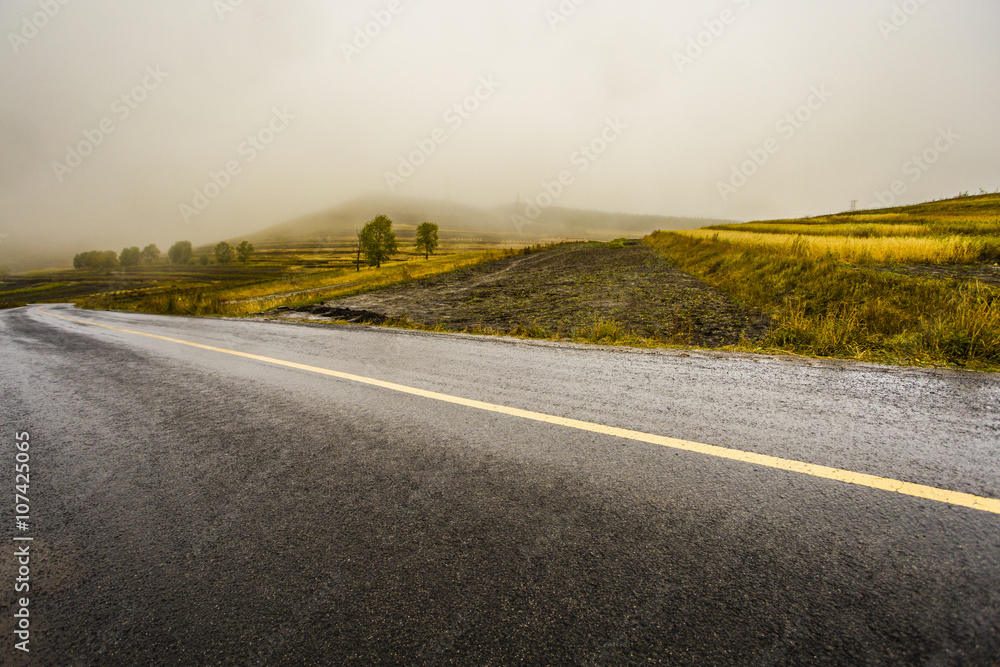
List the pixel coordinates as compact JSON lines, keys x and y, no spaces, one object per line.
{"x":464,"y":221}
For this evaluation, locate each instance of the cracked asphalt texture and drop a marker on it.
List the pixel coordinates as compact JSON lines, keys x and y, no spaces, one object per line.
{"x":191,"y":508}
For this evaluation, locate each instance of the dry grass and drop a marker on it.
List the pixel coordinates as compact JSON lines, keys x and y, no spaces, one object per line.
{"x":335,"y":282}
{"x":852,"y":229}
{"x":822,"y":307}
{"x":600,"y":332}
{"x":965,"y":230}
{"x":861,"y":251}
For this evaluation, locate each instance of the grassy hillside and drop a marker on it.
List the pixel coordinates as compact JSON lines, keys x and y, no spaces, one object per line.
{"x":343,"y":221}
{"x":864,"y":285}
{"x":459,"y":221}
{"x":956,"y":231}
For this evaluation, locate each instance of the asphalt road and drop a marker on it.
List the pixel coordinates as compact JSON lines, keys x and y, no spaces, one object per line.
{"x":189,"y":506}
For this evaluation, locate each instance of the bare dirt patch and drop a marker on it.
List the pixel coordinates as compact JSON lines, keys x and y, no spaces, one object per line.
{"x":565,"y":291}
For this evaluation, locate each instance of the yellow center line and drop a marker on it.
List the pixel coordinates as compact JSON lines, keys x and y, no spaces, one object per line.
{"x":846,"y":476}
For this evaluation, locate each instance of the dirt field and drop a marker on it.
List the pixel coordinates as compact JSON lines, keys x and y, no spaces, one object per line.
{"x":565,"y":291}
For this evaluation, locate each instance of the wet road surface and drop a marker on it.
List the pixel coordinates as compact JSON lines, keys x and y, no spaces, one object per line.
{"x":189,"y":506}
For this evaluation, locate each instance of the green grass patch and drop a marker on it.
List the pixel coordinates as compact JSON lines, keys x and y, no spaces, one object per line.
{"x":32,"y":290}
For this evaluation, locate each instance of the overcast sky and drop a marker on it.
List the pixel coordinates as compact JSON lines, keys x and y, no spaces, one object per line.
{"x":125,"y":122}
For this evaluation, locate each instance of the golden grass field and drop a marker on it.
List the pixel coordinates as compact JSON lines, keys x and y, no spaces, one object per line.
{"x":830,"y":287}
{"x":958,"y":231}
{"x":904,"y":248}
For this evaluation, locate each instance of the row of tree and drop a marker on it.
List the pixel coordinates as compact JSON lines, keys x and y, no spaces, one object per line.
{"x":179,"y":253}
{"x":182,"y":252}
{"x":377,"y":241}
{"x":225,"y":253}
{"x":96,"y":259}
{"x":109,"y":259}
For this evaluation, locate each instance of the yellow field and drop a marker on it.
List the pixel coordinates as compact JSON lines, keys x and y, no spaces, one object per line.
{"x":341,"y":282}
{"x":822,"y":284}
{"x":832,"y":229}
{"x":853,"y":250}
{"x":965,"y":230}
{"x":299,"y":284}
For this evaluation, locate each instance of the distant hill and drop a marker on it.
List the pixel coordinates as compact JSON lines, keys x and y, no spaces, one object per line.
{"x":463,"y":221}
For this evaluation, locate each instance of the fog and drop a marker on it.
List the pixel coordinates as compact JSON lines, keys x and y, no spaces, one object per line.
{"x":124,"y":123}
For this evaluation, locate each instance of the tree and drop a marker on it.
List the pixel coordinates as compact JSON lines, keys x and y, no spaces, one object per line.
{"x":223,"y":253}
{"x":180,"y":252}
{"x":378,"y":242}
{"x":130,"y":257}
{"x":427,"y":239}
{"x":150,"y":253}
{"x":107,"y":260}
{"x":244,"y":251}
{"x":96,"y":259}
